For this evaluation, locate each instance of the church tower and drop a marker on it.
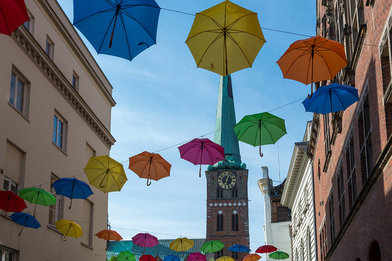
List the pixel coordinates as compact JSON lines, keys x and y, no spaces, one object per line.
{"x":227,"y":181}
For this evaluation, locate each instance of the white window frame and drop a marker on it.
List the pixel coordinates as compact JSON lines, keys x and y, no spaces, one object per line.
{"x":10,"y":183}
{"x":49,"y":47}
{"x":59,"y":137}
{"x":19,"y":93}
{"x":4,"y":251}
{"x":58,"y":208}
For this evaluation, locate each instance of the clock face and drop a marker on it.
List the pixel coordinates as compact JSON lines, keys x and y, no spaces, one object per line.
{"x":226,"y":180}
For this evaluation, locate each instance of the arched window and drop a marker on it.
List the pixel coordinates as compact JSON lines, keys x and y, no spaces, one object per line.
{"x":234,"y":193}
{"x":309,"y":245}
{"x":234,"y":255}
{"x":218,"y":254}
{"x":374,"y":252}
{"x":219,"y":221}
{"x":234,"y":221}
{"x":219,"y":193}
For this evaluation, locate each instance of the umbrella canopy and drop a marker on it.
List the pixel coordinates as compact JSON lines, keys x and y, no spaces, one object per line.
{"x":260,"y":129}
{"x":126,"y":256}
{"x":147,"y":258}
{"x":181,"y":244}
{"x":69,"y":228}
{"x":312,"y":60}
{"x":196,"y":257}
{"x":37,"y":196}
{"x":225,"y":258}
{"x":25,"y":220}
{"x":266,"y":249}
{"x":331,"y":98}
{"x":10,"y":202}
{"x":279,"y":255}
{"x":72,"y":188}
{"x":212,"y":246}
{"x":13,"y":14}
{"x":149,"y":166}
{"x":145,"y":240}
{"x":105,"y":173}
{"x":108,"y":234}
{"x":202,"y":152}
{"x":239,"y":248}
{"x":171,"y":258}
{"x":225,"y":38}
{"x":122,"y":28}
{"x":251,"y":257}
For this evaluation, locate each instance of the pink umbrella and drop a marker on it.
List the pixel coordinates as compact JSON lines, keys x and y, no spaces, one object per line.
{"x":196,"y":257}
{"x":202,"y":152}
{"x":145,"y":240}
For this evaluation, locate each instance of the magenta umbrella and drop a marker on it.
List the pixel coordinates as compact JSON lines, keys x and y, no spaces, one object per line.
{"x":202,"y":152}
{"x":196,"y":257}
{"x":145,"y":240}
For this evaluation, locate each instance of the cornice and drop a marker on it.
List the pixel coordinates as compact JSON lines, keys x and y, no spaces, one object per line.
{"x":35,"y":52}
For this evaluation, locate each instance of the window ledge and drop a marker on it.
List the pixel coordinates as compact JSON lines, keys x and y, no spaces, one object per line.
{"x":53,"y":228}
{"x":87,"y":246}
{"x":21,"y":114}
{"x":59,"y":149}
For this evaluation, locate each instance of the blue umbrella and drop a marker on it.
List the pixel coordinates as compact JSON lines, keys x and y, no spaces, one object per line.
{"x":239,"y":248}
{"x":331,"y":98}
{"x":72,"y":188}
{"x":122,"y":28}
{"x":171,"y":258}
{"x":26,"y":220}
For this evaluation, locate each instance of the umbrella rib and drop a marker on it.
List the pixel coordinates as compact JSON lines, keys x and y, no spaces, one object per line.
{"x":99,"y":12}
{"x":104,"y":36}
{"x":137,"y":21}
{"x":217,"y":31}
{"x":126,"y":37}
{"x":216,"y":22}
{"x":242,"y":51}
{"x":235,"y":21}
{"x":242,"y":31}
{"x":322,"y":57}
{"x":292,"y":64}
{"x":201,"y":58}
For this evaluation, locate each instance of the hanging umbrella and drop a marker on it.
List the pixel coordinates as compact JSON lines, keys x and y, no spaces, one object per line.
{"x":149,"y":166}
{"x":108,"y":234}
{"x":260,"y":129}
{"x":122,"y":28}
{"x":72,"y":188}
{"x":126,"y":256}
{"x":26,"y":220}
{"x":279,"y":255}
{"x":147,"y":258}
{"x":266,"y":249}
{"x":331,"y":98}
{"x":251,"y":257}
{"x":145,"y":240}
{"x":10,"y":202}
{"x":69,"y":228}
{"x":37,"y":196}
{"x":171,"y":258}
{"x":225,"y":38}
{"x":212,"y":246}
{"x":225,"y":258}
{"x":196,"y":257}
{"x":181,"y":244}
{"x":105,"y":173}
{"x":202,"y":152}
{"x":313,"y":60}
{"x":239,"y":248}
{"x":13,"y":14}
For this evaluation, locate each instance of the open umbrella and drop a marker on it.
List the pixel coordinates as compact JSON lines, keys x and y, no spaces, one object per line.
{"x":225,"y":258}
{"x":312,"y":60}
{"x":69,"y":228}
{"x":122,"y":28}
{"x":13,"y":14}
{"x":212,"y":246}
{"x":10,"y":202}
{"x":149,"y":166}
{"x":239,"y":248}
{"x":181,"y":244}
{"x":108,"y":234}
{"x":126,"y":256}
{"x":196,"y":257}
{"x":202,"y":152}
{"x":279,"y":255}
{"x":105,"y":173}
{"x":171,"y":258}
{"x":225,"y":38}
{"x":260,"y":129}
{"x":37,"y":196}
{"x":266,"y":249}
{"x":251,"y":257}
{"x":145,"y":240}
{"x":331,"y":98}
{"x":147,"y":258}
{"x":72,"y":188}
{"x":26,"y":220}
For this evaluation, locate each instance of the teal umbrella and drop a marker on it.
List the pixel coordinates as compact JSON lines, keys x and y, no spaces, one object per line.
{"x":279,"y":255}
{"x":260,"y":129}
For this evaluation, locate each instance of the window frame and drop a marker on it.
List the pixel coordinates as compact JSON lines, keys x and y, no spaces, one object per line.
{"x":57,"y":117}
{"x":365,"y":140}
{"x":75,"y":81}
{"x":219,"y":221}
{"x":29,"y":25}
{"x":234,"y":221}
{"x":49,"y":48}
{"x":19,"y":95}
{"x":56,"y":212}
{"x":341,"y":195}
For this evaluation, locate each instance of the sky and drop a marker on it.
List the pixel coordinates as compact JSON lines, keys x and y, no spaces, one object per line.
{"x":163,"y":100}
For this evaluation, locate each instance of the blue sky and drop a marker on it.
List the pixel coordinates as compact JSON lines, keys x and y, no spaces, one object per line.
{"x":163,"y":100}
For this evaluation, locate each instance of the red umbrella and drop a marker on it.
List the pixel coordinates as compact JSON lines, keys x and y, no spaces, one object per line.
{"x":202,"y":152}
{"x":196,"y":257}
{"x":266,"y":249}
{"x":147,"y":258}
{"x":145,"y":240}
{"x":13,"y":14}
{"x":10,"y":202}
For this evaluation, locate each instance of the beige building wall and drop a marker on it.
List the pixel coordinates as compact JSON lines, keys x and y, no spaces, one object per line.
{"x":29,"y":155}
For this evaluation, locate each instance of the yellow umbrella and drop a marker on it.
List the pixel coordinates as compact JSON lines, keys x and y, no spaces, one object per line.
{"x":225,"y":38}
{"x":181,"y":244}
{"x":69,"y":228}
{"x":105,"y":173}
{"x":225,"y":258}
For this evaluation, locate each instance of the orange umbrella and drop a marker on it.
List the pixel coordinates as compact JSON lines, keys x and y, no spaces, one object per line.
{"x":108,"y":234}
{"x":312,"y":60}
{"x":251,"y":257}
{"x":149,"y":166}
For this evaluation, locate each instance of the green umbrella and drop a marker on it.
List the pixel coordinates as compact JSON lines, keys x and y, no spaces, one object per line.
{"x":37,"y":196}
{"x":279,"y":255}
{"x":260,"y":129}
{"x":212,"y":246}
{"x":126,"y":256}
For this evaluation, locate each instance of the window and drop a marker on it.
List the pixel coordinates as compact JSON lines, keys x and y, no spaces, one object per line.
{"x":19,"y":92}
{"x":29,"y":24}
{"x":7,"y":254}
{"x":234,"y":255}
{"x":365,"y":140}
{"x":10,"y":185}
{"x":218,"y":254}
{"x":374,"y":252}
{"x":385,"y":57}
{"x":327,"y":141}
{"x":234,"y":193}
{"x":323,"y":242}
{"x":309,"y":245}
{"x":331,"y":211}
{"x":302,"y":251}
{"x":219,"y":193}
{"x":49,"y":48}
{"x":351,"y":176}
{"x":75,"y":81}
{"x":219,"y":221}
{"x":234,"y":221}
{"x":342,"y":213}
{"x":59,"y":131}
{"x":87,"y":220}
{"x":14,"y":167}
{"x":355,"y":18}
{"x":56,"y":212}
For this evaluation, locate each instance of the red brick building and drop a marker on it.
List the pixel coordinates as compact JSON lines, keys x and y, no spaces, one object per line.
{"x":351,"y":150}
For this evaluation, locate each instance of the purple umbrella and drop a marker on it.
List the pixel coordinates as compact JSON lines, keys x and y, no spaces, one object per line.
{"x":196,"y":257}
{"x":202,"y":152}
{"x":145,"y":240}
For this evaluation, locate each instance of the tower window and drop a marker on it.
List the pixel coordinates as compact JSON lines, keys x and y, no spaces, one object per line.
{"x":234,"y":255}
{"x":234,"y":193}
{"x":219,"y":221}
{"x":218,"y":254}
{"x":234,"y":221}
{"x":219,"y":193}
